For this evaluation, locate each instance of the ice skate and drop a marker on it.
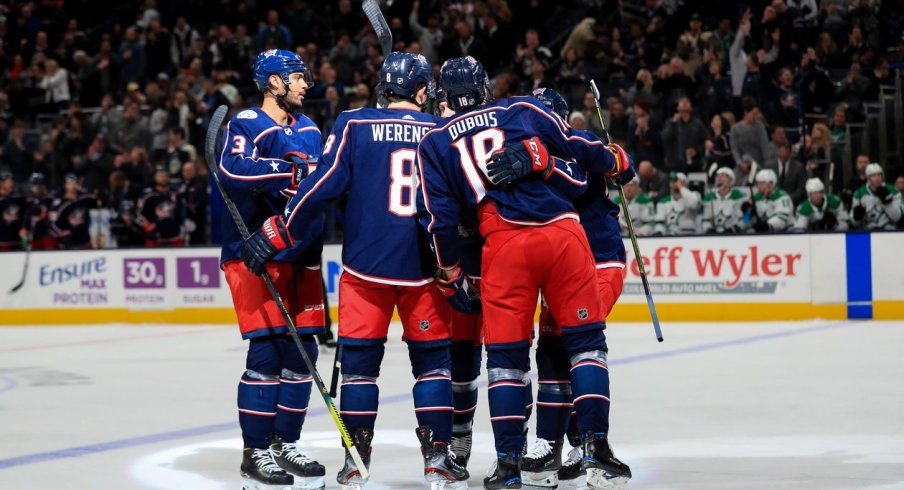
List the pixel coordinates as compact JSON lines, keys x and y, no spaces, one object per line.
{"x":260,"y":471}
{"x":541,"y":464}
{"x":441,"y":469}
{"x":603,"y":469}
{"x":349,"y":477}
{"x":461,"y":446}
{"x":307,"y":472}
{"x":504,"y":473}
{"x":570,"y":475}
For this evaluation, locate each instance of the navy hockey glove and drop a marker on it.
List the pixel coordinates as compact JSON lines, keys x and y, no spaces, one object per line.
{"x":883,"y":194}
{"x":299,"y":163}
{"x":455,"y":290}
{"x":623,"y":171}
{"x":519,"y":159}
{"x":264,"y":244}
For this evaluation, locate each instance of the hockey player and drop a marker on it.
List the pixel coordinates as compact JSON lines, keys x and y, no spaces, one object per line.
{"x":369,"y":160}
{"x":542,"y":464}
{"x":641,"y":207}
{"x":38,"y":223}
{"x":266,"y":152}
{"x":876,"y":205}
{"x":12,"y":211}
{"x":71,"y":214}
{"x":722,"y":207}
{"x":774,"y":209}
{"x":533,"y":243}
{"x":677,"y":213}
{"x":162,"y":212}
{"x":820,"y":211}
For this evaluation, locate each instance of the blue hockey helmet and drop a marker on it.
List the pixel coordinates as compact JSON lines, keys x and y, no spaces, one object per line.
{"x":465,"y":82}
{"x":278,"y":62}
{"x":403,"y":74}
{"x":552,"y":99}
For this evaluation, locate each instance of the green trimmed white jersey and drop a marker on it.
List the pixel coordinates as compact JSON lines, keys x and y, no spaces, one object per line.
{"x":723,"y":213}
{"x":878,"y":216}
{"x":809,"y":213}
{"x":777,"y":209}
{"x":643,"y":215}
{"x":678,"y":216}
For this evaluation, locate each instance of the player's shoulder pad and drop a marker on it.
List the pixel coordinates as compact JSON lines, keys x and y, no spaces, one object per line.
{"x":736,"y":194}
{"x":834,"y":201}
{"x":778,"y":194}
{"x":804,"y":208}
{"x":862,"y":191}
{"x":757,"y":197}
{"x":665,"y":199}
{"x":709,"y":196}
{"x":891,"y":189}
{"x":303,"y":121}
{"x":643,"y":199}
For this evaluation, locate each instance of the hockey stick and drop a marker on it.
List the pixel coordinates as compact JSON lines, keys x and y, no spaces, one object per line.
{"x":381,"y":28}
{"x":630,"y":226}
{"x":337,"y":365}
{"x":209,"y":149}
{"x":26,"y":245}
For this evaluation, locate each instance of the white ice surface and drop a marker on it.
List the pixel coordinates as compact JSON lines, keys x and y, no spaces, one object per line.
{"x":717,"y":406}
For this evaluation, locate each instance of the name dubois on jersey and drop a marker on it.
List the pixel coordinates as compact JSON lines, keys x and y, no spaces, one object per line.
{"x":403,"y":133}
{"x":478,"y":120}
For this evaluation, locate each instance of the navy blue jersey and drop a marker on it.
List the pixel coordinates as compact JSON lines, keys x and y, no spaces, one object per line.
{"x":257,"y":178}
{"x":369,"y":159}
{"x":452,"y":163}
{"x":599,"y":216}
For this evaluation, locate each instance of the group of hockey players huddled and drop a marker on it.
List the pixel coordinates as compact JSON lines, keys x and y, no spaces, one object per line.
{"x":460,"y":212}
{"x":735,"y":209}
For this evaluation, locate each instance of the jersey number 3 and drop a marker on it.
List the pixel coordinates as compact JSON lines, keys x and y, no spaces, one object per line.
{"x":402,"y":182}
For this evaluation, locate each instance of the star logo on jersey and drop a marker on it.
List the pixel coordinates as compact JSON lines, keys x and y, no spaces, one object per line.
{"x":287,"y":212}
{"x":275,"y":166}
{"x":288,"y":131}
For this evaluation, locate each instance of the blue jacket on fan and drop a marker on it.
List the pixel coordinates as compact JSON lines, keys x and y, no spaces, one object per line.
{"x":258,"y":179}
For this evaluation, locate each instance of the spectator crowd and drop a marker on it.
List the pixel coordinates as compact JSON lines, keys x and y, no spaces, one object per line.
{"x":102,"y":110}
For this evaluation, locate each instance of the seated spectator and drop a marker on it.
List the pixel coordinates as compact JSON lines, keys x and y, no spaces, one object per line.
{"x":899,"y":183}
{"x":577,"y":120}
{"x":678,"y":213}
{"x":641,"y":208}
{"x":652,"y":181}
{"x":618,"y":122}
{"x":161,"y":210}
{"x":642,"y":90}
{"x":774,"y":210}
{"x":723,"y":208}
{"x":820,"y":211}
{"x":876,"y":205}
{"x":527,"y":53}
{"x":718,"y":147}
{"x":792,"y":177}
{"x":818,"y":146}
{"x":683,"y":139}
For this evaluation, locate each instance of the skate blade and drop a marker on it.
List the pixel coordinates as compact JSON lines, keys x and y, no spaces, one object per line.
{"x":352,"y":486}
{"x":250,"y":484}
{"x":308,"y":483}
{"x":601,"y":479}
{"x":579,"y":483}
{"x":448,"y":485}
{"x":544,"y":479}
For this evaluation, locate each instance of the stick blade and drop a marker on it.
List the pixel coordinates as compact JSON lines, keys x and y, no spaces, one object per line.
{"x":381,"y":28}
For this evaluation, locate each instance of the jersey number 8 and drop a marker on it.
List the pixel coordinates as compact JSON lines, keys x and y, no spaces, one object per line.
{"x":402,"y":182}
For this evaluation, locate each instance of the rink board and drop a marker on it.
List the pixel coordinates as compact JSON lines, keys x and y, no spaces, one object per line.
{"x":706,"y":278}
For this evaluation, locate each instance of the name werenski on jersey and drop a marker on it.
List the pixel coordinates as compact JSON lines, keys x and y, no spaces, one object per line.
{"x":478,"y":120}
{"x":404,"y":133}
